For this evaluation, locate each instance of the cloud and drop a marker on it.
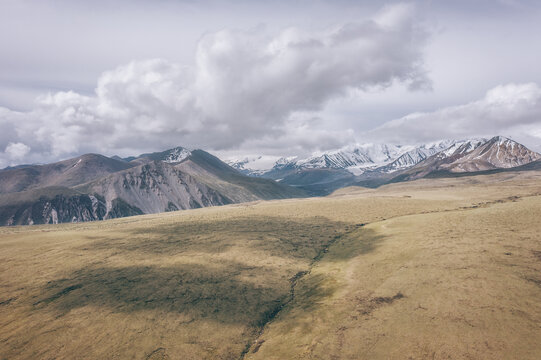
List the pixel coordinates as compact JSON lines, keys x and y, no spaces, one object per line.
{"x":16,"y":151}
{"x":245,"y":88}
{"x":512,"y":109}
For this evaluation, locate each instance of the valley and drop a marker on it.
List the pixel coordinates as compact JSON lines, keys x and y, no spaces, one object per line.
{"x":435,"y":268}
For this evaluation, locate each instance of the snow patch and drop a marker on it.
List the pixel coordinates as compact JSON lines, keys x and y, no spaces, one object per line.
{"x":177,"y":155}
{"x":77,"y":163}
{"x":259,"y":163}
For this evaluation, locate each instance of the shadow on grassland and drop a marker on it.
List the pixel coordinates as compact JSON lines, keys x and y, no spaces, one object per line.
{"x":196,"y":291}
{"x":277,"y":236}
{"x":354,"y":243}
{"x":226,"y":291}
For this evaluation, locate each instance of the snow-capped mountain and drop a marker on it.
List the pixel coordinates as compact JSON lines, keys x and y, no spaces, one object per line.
{"x":254,"y":165}
{"x":496,"y":153}
{"x":337,"y":160}
{"x":375,"y":164}
{"x":416,"y":155}
{"x":356,"y":159}
{"x":473,"y":156}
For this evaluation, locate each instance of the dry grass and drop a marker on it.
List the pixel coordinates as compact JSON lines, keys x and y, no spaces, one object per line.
{"x":437,"y":269}
{"x":453,"y":285}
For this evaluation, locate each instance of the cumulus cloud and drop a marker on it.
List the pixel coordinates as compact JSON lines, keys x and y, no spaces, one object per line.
{"x":16,"y":151}
{"x":512,"y":109}
{"x":245,"y":87}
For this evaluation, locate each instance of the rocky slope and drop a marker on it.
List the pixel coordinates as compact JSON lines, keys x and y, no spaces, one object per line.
{"x":154,"y":187}
{"x":94,"y":187}
{"x":210,"y":170}
{"x":49,"y":205}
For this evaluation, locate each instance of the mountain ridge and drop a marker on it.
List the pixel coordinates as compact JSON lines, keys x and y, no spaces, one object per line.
{"x":376,"y":164}
{"x":356,"y":159}
{"x":94,"y":187}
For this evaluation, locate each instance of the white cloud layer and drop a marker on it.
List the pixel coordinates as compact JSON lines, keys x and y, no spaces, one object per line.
{"x":246,"y":89}
{"x":513,"y":110}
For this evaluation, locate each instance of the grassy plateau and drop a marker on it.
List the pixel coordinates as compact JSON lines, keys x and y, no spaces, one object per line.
{"x":430,"y":269}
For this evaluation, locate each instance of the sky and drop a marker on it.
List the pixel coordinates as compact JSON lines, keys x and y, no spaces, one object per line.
{"x":277,"y":78}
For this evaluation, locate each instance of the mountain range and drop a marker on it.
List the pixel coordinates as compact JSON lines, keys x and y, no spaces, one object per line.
{"x":95,"y":187}
{"x":377,"y":164}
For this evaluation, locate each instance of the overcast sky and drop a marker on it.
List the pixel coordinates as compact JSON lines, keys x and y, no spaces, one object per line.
{"x":263,"y":77}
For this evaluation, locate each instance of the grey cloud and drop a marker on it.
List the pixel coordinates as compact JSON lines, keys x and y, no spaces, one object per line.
{"x":513,"y":110}
{"x":245,"y":88}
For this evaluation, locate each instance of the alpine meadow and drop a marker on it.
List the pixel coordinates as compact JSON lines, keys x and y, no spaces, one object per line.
{"x":270,"y":180}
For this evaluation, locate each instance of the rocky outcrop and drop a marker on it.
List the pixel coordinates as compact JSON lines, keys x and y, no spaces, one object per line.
{"x":64,"y":209}
{"x":56,"y":210}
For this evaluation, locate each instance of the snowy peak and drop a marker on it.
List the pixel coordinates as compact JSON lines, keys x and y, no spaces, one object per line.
{"x":355,"y":159}
{"x":285,"y":161}
{"x":242,"y":164}
{"x":361,"y":158}
{"x":171,"y":156}
{"x":498,"y":152}
{"x":408,"y":159}
{"x":253,"y":165}
{"x":416,"y":155}
{"x":461,"y":147}
{"x":336,"y":160}
{"x":175,"y":155}
{"x":377,"y":161}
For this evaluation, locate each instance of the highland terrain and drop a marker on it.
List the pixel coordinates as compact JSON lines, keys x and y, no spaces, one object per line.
{"x":428,"y":269}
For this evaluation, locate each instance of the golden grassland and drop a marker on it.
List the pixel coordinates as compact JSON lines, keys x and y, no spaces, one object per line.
{"x":431,"y":269}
